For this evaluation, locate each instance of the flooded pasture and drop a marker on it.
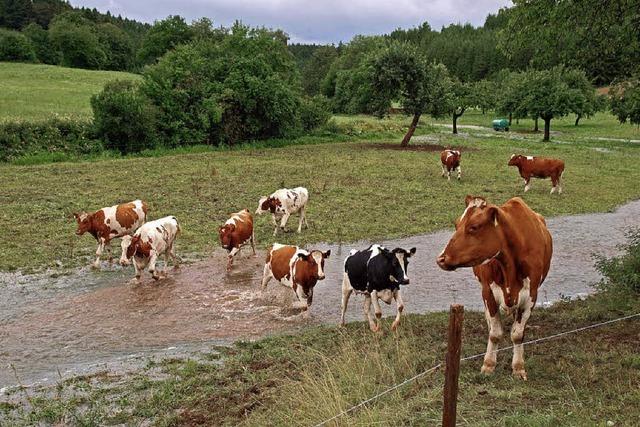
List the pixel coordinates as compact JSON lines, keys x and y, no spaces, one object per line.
{"x":60,"y":326}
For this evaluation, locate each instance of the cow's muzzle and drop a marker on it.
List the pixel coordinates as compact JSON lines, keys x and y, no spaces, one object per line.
{"x":441,"y":260}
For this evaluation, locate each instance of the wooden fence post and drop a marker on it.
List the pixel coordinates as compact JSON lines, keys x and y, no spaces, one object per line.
{"x":452,"y":368}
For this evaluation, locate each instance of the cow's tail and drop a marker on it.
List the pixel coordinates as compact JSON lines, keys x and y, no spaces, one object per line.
{"x":178,"y":228}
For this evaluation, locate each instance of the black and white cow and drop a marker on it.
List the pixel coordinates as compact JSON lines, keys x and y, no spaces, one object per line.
{"x":377,"y":273}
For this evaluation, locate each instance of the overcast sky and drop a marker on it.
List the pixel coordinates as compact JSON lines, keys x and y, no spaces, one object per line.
{"x":307,"y":21}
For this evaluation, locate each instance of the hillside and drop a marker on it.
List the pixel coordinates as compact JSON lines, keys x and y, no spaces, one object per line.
{"x":35,"y":92}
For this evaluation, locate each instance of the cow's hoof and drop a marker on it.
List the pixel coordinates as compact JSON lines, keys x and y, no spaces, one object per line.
{"x":520,"y":373}
{"x":394,"y":326}
{"x":155,"y":277}
{"x":487,"y":369}
{"x":95,"y":266}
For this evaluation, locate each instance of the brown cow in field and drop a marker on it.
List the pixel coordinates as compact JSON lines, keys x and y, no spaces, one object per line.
{"x":110,"y":223}
{"x":296,"y":268}
{"x":235,"y":233}
{"x":450,"y":160}
{"x":509,"y":248}
{"x":539,"y":167}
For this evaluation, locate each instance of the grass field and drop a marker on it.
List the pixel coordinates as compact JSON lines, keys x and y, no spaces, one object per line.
{"x":36,"y":92}
{"x":590,"y":378}
{"x":358,"y":191}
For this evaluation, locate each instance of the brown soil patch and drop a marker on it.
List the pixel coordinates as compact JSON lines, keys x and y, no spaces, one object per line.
{"x":412,"y":147}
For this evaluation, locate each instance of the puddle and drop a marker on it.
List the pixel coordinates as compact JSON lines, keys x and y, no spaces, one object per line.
{"x":67,"y":324}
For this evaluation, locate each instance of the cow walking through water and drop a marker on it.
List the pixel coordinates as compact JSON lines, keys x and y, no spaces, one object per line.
{"x":450,"y":161}
{"x":282,"y":204}
{"x":539,"y":167}
{"x":377,"y":273}
{"x":111,"y":222}
{"x":153,"y":239}
{"x":510,"y":249}
{"x":237,"y":232}
{"x":296,"y":268}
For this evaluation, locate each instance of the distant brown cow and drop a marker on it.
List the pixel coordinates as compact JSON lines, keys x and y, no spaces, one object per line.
{"x":539,"y":167}
{"x":235,"y":233}
{"x":509,"y":248}
{"x":296,"y":268}
{"x":110,"y":223}
{"x":450,"y":160}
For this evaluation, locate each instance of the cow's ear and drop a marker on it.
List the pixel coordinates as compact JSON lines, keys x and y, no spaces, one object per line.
{"x":468,"y":199}
{"x":493,"y":215}
{"x":304,"y":257}
{"x":327,"y":254}
{"x":412,"y":251}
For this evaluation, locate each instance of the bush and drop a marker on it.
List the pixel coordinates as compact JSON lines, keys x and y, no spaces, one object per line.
{"x":124,"y":118}
{"x":622,"y":272}
{"x":314,"y":112}
{"x":45,"y":51}
{"x":19,"y":139}
{"x":15,"y":47}
{"x":77,"y":39}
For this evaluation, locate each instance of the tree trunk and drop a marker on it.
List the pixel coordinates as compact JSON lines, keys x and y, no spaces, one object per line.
{"x":412,"y":129}
{"x":535,"y":126}
{"x":547,"y":125}
{"x":455,"y":120}
{"x":510,"y":118}
{"x":578,"y":116}
{"x":483,"y":111}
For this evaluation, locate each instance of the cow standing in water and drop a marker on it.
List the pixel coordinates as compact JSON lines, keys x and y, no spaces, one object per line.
{"x":296,"y":268}
{"x":282,"y":204}
{"x":111,"y":222}
{"x":152,"y":239}
{"x":509,"y":248}
{"x":539,"y":167}
{"x":235,"y":233}
{"x":377,"y":273}
{"x":450,"y":161}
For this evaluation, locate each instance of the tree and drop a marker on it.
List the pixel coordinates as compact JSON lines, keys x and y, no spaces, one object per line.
{"x":511,"y":91}
{"x":15,"y":46}
{"x":463,"y":96}
{"x":586,"y":103}
{"x":401,"y":72}
{"x":486,"y":95}
{"x":316,"y":68}
{"x":117,"y":46}
{"x":77,"y":39}
{"x":45,"y":52}
{"x":15,"y":14}
{"x":164,"y":36}
{"x":625,"y":101}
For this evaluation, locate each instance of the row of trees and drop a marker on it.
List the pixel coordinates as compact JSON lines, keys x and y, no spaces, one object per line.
{"x":232,"y":85}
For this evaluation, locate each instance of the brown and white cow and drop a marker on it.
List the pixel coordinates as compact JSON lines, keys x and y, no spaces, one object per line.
{"x":539,"y":167}
{"x":110,"y":223}
{"x":450,"y":160}
{"x":509,"y":248}
{"x":152,"y":239}
{"x":235,"y":233}
{"x":296,"y":268}
{"x":283,"y":203}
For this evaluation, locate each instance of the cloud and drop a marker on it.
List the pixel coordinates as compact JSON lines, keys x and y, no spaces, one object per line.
{"x":319,"y":21}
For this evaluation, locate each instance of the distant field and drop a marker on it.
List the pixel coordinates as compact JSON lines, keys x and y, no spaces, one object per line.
{"x":36,"y":92}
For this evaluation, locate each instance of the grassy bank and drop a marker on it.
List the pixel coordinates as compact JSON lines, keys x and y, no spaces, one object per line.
{"x":33,"y":92}
{"x":588,"y":378}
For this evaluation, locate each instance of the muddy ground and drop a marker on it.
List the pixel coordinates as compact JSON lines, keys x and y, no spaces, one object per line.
{"x":52,"y":327}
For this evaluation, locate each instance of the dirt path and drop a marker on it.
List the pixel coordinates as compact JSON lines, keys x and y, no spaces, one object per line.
{"x":89,"y":319}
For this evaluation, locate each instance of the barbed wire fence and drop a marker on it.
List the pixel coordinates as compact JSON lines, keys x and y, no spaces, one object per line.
{"x":471,"y":357}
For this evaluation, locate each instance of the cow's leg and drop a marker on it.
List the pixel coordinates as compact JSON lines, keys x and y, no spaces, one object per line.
{"x":302,"y":297}
{"x":176,"y":261}
{"x":96,"y":263}
{"x":367,"y":313}
{"x":522,"y":314}
{"x":459,"y":172}
{"x":266,"y":276}
{"x":448,"y":174}
{"x":283,"y":221}
{"x":397,"y":295}
{"x":138,"y":271}
{"x":560,"y":183}
{"x":253,"y":243}
{"x":526,"y":183}
{"x":233,"y":252}
{"x":304,"y":216}
{"x":346,"y":293}
{"x":444,"y":171}
{"x":275,"y":224}
{"x":377,"y":309}
{"x":301,"y":220}
{"x":107,"y":246}
{"x":494,"y":323}
{"x":153,"y":258}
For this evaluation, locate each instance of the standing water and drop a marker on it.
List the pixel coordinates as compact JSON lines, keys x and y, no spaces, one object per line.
{"x":59,"y":326}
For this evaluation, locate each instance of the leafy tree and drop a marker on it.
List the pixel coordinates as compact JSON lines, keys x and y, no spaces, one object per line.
{"x":15,"y":14}
{"x":15,"y":46}
{"x":462,"y":97}
{"x":45,"y":52}
{"x":117,"y":46}
{"x":486,"y":95}
{"x":77,"y":39}
{"x":401,"y":72}
{"x":625,"y":101}
{"x":510,"y":93}
{"x":45,"y":10}
{"x":164,"y":36}
{"x":586,"y":104}
{"x":123,"y":118}
{"x":317,"y":67}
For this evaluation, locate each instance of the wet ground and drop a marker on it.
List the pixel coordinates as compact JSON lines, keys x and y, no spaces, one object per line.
{"x":87,"y":320}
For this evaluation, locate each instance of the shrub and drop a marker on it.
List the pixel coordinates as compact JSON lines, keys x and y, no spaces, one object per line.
{"x":19,"y":139}
{"x":314,"y":112}
{"x":15,"y":47}
{"x":45,"y":51}
{"x":622,"y":272}
{"x":123,"y":117}
{"x":77,"y":38}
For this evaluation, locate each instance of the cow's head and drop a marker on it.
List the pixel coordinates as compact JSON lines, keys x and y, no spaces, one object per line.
{"x":226,"y":238}
{"x":477,"y":237}
{"x":313,"y":263}
{"x":516,"y":160}
{"x":84,"y":222}
{"x":136,"y":246}
{"x":403,"y":256}
{"x":267,"y":204}
{"x":124,"y":244}
{"x":393,"y":267}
